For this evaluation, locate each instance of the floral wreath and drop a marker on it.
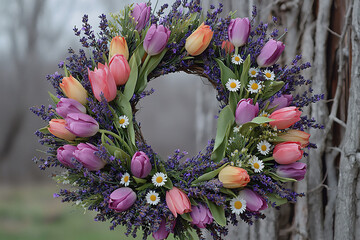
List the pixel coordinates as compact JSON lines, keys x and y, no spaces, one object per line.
{"x":94,"y":138}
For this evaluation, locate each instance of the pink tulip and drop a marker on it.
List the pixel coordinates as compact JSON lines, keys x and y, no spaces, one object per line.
{"x":57,"y":127}
{"x":285,"y":117}
{"x":177,"y":201}
{"x":162,"y":232}
{"x":270,"y":53}
{"x":287,"y":152}
{"x":65,"y":154}
{"x":246,"y":111}
{"x":85,"y":153}
{"x":102,"y":81}
{"x":140,"y":165}
{"x":296,"y":170}
{"x":81,"y":124}
{"x":201,"y":216}
{"x":120,"y":69}
{"x":68,"y":105}
{"x":141,"y":15}
{"x":254,"y":202}
{"x":281,"y":102}
{"x":122,"y":199}
{"x":156,"y":39}
{"x":238,"y":31}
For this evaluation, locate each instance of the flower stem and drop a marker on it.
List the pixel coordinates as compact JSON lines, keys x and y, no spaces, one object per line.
{"x":118,"y":138}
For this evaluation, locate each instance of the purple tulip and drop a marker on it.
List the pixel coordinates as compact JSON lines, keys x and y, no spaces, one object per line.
{"x":140,"y":165}
{"x":162,"y":233}
{"x":281,"y":102}
{"x":201,"y":216}
{"x":81,"y":124}
{"x":67,"y":106}
{"x":65,"y":154}
{"x":141,"y":15}
{"x":270,"y":53}
{"x":254,"y":202}
{"x":156,"y":39}
{"x":85,"y":153}
{"x":122,"y":199}
{"x":238,"y":31}
{"x":246,"y":111}
{"x":294,"y":170}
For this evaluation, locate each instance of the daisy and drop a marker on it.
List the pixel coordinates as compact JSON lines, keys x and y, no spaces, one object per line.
{"x":125,"y":179}
{"x":257,"y":164}
{"x":233,"y":85}
{"x":254,"y":86}
{"x":238,"y":205}
{"x":264,"y":147}
{"x":253,"y":72}
{"x":159,"y":179}
{"x":236,"y":129}
{"x":124,"y":121}
{"x":269,"y":75}
{"x":264,"y":114}
{"x":152,"y":198}
{"x":236,"y":59}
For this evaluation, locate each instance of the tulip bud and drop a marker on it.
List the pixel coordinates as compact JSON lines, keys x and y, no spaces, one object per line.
{"x":281,"y":102}
{"x":177,"y":201}
{"x":287,"y":152}
{"x":141,"y":15}
{"x":234,"y":177}
{"x":73,"y":89}
{"x":118,"y":45}
{"x":199,"y":40}
{"x":227,"y":46}
{"x":122,"y":199}
{"x":81,"y":124}
{"x":238,"y":31}
{"x":270,"y":53}
{"x":296,"y":170}
{"x":162,"y":232}
{"x":85,"y":153}
{"x":246,"y":111}
{"x":120,"y":69}
{"x":254,"y":202}
{"x":65,"y":154}
{"x":156,"y":39}
{"x":285,"y":117}
{"x":68,"y":105}
{"x":140,"y":165}
{"x":201,"y":216}
{"x":296,"y":136}
{"x":57,"y":128}
{"x":102,"y":82}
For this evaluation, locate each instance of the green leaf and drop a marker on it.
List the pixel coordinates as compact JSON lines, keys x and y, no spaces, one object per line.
{"x":245,"y":72}
{"x":217,"y":212}
{"x":134,"y":62}
{"x":274,"y":198}
{"x":126,"y":109}
{"x":228,"y":192}
{"x":245,"y":128}
{"x":267,"y":159}
{"x":209,"y":175}
{"x":143,"y":187}
{"x":139,"y":180}
{"x":187,"y":217}
{"x":66,"y":72}
{"x":193,"y":202}
{"x":54,"y":98}
{"x":281,"y":179}
{"x":44,"y":130}
{"x":226,"y":72}
{"x":261,"y":120}
{"x":168,"y":183}
{"x":233,"y":100}
{"x":271,"y":87}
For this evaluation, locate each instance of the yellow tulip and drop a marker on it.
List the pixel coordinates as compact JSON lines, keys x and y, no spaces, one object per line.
{"x":199,"y":40}
{"x":73,"y":89}
{"x":234,"y":177}
{"x":118,"y":45}
{"x":296,"y":136}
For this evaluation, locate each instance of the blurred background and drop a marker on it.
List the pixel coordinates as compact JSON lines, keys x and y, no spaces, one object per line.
{"x":34,"y":38}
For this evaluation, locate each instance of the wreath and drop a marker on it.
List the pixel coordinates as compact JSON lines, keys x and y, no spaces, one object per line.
{"x":100,"y":153}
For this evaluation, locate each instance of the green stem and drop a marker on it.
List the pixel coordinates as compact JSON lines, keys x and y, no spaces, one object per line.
{"x":236,"y":50}
{"x":118,"y":138}
{"x":144,"y":64}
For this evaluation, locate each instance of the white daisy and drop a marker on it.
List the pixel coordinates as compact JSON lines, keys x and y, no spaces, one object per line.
{"x":238,"y":205}
{"x":264,"y":147}
{"x":152,"y":198}
{"x":269,"y":75}
{"x":159,"y":179}
{"x":123,"y":121}
{"x":264,"y":114}
{"x":253,"y":72}
{"x":125,"y":179}
{"x":236,"y":59}
{"x":257,"y":164}
{"x":233,"y":85}
{"x":234,"y":153}
{"x":236,"y":129}
{"x":254,"y":86}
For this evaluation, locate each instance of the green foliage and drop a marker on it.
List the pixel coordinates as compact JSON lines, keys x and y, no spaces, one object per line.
{"x":274,"y":198}
{"x":209,"y":175}
{"x":217,"y":212}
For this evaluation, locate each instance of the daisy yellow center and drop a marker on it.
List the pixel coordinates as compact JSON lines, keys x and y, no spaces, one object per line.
{"x":153,"y":198}
{"x":263,"y":147}
{"x":268,"y":75}
{"x":233,"y":85}
{"x":256,"y":165}
{"x":238,"y":205}
{"x":159,"y":179}
{"x":126,"y":178}
{"x":265,"y":115}
{"x":237,"y":58}
{"x":122,"y":121}
{"x":254,"y":86}
{"x":253,"y":72}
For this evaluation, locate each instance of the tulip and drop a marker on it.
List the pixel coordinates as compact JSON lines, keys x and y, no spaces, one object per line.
{"x":246,"y":111}
{"x":270,"y":53}
{"x":162,"y":232}
{"x":238,"y":31}
{"x":67,"y":106}
{"x":199,"y":40}
{"x":58,"y":128}
{"x":281,"y":102}
{"x":296,"y":136}
{"x":118,"y":45}
{"x":201,"y":216}
{"x":140,"y":165}
{"x":156,"y":39}
{"x":294,"y":170}
{"x":81,"y":124}
{"x":122,"y":199}
{"x":287,"y":152}
{"x":73,"y":89}
{"x":234,"y":177}
{"x":227,"y":46}
{"x":85,"y":153}
{"x":141,"y":15}
{"x":120,"y":69}
{"x":177,"y":201}
{"x":102,"y":82}
{"x":285,"y":117}
{"x":65,"y":154}
{"x":254,"y":202}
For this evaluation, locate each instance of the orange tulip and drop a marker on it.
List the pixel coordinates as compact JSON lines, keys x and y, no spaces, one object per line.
{"x":118,"y":45}
{"x":234,"y":177}
{"x":296,"y":136}
{"x":73,"y":89}
{"x":199,"y":40}
{"x":57,"y":128}
{"x":228,"y":47}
